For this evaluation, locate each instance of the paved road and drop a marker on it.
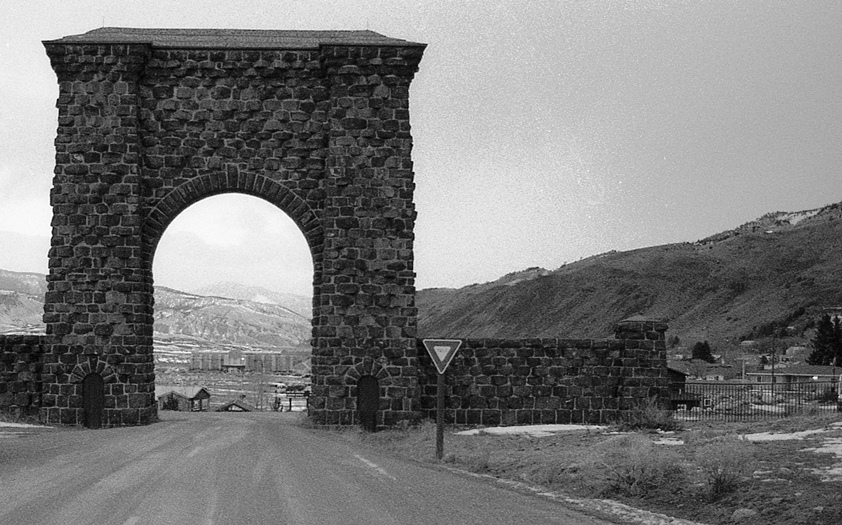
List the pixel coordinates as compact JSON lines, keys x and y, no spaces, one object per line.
{"x":241,"y":469}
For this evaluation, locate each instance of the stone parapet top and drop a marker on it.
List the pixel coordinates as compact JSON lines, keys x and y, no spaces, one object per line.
{"x":232,"y":38}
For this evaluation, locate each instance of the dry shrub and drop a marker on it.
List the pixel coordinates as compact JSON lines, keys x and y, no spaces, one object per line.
{"x":651,"y":416}
{"x":725,"y":461}
{"x":634,"y":466}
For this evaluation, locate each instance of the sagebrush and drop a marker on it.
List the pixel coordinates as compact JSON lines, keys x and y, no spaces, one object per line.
{"x":725,"y":461}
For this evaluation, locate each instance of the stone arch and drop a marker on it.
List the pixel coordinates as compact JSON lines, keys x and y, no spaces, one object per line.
{"x":154,"y":120}
{"x":93,"y":400}
{"x":368,"y":402}
{"x":81,"y":370}
{"x":378,"y":369}
{"x":368,"y":367}
{"x":181,"y":197}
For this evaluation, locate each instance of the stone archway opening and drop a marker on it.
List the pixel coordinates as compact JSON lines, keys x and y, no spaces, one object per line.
{"x":93,"y":400}
{"x":233,"y":304}
{"x":368,"y":402}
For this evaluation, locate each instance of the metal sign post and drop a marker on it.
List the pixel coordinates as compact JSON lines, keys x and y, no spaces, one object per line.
{"x":441,"y":351}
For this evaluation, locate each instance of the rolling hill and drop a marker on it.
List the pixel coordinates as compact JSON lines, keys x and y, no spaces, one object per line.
{"x":782,"y":268}
{"x":225,"y":320}
{"x":21,"y":301}
{"x":206,"y":321}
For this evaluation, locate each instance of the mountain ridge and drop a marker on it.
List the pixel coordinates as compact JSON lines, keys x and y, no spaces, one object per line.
{"x":725,"y":287}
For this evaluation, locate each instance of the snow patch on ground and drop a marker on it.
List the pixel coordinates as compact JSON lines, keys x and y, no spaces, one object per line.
{"x":15,"y":430}
{"x":828,"y":445}
{"x":532,"y":430}
{"x":9,"y":424}
{"x":668,"y":441}
{"x":769,"y":436}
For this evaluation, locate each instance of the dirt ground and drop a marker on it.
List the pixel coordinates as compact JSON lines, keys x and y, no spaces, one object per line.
{"x":786,"y":471}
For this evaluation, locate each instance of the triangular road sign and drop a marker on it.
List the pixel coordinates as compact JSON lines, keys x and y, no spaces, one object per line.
{"x":442,"y":351}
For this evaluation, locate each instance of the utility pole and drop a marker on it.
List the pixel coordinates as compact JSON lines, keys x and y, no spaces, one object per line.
{"x":773,"y":363}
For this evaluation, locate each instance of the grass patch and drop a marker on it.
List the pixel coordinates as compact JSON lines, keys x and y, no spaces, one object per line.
{"x":713,"y":465}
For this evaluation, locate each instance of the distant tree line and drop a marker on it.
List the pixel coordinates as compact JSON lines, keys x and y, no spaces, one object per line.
{"x":827,"y":343}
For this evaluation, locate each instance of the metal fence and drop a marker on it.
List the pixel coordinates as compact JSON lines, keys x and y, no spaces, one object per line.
{"x":728,"y":401}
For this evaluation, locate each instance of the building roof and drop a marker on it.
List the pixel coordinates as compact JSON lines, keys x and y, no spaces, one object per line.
{"x":232,"y":38}
{"x":242,"y":405}
{"x":801,"y":370}
{"x":190,"y":392}
{"x":679,"y":367}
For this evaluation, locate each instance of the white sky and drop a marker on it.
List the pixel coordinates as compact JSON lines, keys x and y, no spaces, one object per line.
{"x":544,"y":131}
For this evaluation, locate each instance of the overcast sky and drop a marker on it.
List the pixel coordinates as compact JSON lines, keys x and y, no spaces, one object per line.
{"x":544,"y":132}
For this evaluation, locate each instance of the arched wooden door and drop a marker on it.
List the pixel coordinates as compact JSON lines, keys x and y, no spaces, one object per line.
{"x":368,"y":401}
{"x":93,"y":400}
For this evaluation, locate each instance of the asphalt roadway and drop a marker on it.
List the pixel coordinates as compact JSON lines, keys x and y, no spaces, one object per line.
{"x":225,"y":468}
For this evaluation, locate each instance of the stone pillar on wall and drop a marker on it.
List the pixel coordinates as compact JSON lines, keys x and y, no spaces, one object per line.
{"x":98,"y":304}
{"x":367,"y":315}
{"x":645,"y":347}
{"x":642,"y":328}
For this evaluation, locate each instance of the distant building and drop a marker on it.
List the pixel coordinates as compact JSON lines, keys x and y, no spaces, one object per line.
{"x":248,"y":361}
{"x":207,"y":361}
{"x":679,"y":398}
{"x":800,"y":373}
{"x":182,"y":398}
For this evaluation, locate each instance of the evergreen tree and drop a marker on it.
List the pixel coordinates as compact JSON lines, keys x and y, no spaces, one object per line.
{"x":702,"y":351}
{"x":827,"y":343}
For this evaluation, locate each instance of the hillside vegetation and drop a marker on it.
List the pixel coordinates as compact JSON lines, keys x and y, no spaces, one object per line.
{"x":781,"y":268}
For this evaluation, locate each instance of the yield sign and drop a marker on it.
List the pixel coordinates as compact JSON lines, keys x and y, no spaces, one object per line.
{"x":442,"y":351}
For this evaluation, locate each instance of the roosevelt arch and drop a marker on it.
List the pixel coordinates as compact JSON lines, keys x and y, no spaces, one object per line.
{"x":154,"y":120}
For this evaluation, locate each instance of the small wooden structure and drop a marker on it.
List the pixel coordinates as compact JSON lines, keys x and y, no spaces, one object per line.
{"x":237,"y":405}
{"x":679,"y":398}
{"x":182,"y":398}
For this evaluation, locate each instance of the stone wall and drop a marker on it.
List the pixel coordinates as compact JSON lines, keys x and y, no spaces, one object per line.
{"x":21,"y":363}
{"x":540,"y":381}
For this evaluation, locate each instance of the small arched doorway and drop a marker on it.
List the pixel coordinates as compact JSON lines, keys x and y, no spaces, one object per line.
{"x":368,"y":401}
{"x":93,"y":399}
